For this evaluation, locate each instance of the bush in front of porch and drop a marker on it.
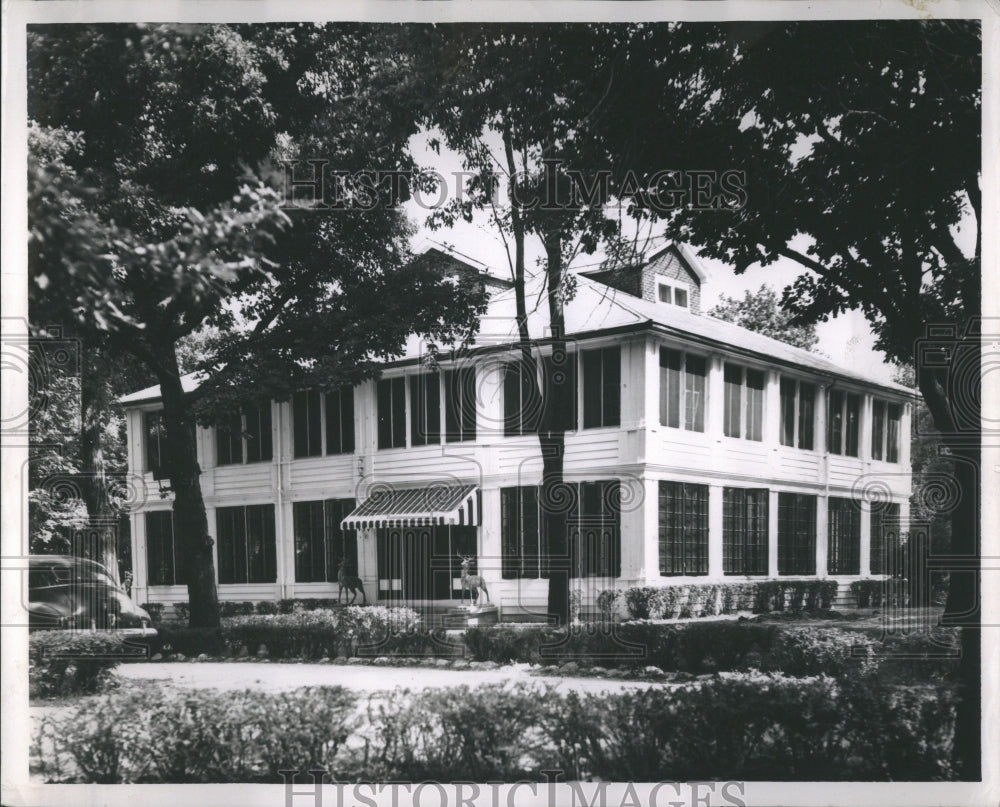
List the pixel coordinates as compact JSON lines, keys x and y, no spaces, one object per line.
{"x":692,"y":600}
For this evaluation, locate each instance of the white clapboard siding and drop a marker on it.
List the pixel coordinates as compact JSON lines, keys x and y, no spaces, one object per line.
{"x":322,"y":472}
{"x":797,"y":466}
{"x":252,"y":479}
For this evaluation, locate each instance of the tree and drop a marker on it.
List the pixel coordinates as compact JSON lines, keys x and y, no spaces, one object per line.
{"x":526,"y":95}
{"x":761,"y":311}
{"x":154,"y":223}
{"x":861,"y":146}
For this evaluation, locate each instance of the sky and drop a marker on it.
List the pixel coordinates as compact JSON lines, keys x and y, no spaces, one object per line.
{"x":846,"y":339}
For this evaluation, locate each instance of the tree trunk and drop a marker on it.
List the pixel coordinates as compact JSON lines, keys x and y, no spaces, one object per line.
{"x":190,"y":520}
{"x":102,"y":537}
{"x":963,"y":608}
{"x":552,"y":442}
{"x":963,"y":604}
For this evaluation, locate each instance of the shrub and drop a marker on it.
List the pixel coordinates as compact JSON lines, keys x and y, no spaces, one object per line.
{"x":193,"y":736}
{"x":609,"y":603}
{"x":267,"y":607}
{"x":710,"y":599}
{"x":691,"y":647}
{"x":229,"y":608}
{"x":185,"y":640}
{"x":155,"y":611}
{"x":70,"y":663}
{"x":876,"y":593}
{"x":349,"y":631}
{"x":748,"y":727}
{"x":181,"y":611}
{"x":490,"y":733}
{"x":754,"y":727}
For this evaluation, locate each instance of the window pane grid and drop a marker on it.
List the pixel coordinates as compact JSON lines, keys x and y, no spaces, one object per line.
{"x":796,"y":534}
{"x":683,"y":529}
{"x":844,"y":553}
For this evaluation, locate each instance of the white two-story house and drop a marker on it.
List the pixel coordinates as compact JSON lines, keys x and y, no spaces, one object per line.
{"x":696,"y":451}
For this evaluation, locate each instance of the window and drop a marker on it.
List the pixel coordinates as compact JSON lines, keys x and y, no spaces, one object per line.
{"x":425,"y":409}
{"x":744,"y":531}
{"x":560,"y":375}
{"x":885,"y":538}
{"x":521,"y":400}
{"x":602,"y":387}
{"x":460,"y":404}
{"x":391,"y":406}
{"x":320,"y":543}
{"x":306,"y":417}
{"x":682,"y":390}
{"x":843,"y":417}
{"x":892,"y":435}
{"x":796,"y":533}
{"x":250,"y":430}
{"x":844,"y":552}
{"x":683,"y":529}
{"x":744,"y":402}
{"x":886,"y":419}
{"x":521,"y":546}
{"x":163,"y":566}
{"x":671,"y":293}
{"x":340,"y":421}
{"x":229,"y":441}
{"x":157,"y":443}
{"x":246,"y":544}
{"x":797,"y":413}
{"x":155,"y":434}
{"x":257,"y":433}
{"x":595,"y":529}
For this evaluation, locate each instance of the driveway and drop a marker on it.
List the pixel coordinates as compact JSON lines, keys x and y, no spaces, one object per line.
{"x":273,"y":677}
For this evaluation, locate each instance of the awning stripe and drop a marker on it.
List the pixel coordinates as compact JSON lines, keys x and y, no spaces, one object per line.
{"x":434,"y":505}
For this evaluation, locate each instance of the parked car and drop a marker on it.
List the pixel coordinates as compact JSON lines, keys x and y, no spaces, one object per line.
{"x":66,"y":592}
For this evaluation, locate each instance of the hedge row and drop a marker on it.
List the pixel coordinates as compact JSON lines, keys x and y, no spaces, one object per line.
{"x":692,"y":648}
{"x":876,"y":593}
{"x":68,"y":663}
{"x":229,"y":608}
{"x":751,"y":727}
{"x":349,"y":631}
{"x":712,"y":599}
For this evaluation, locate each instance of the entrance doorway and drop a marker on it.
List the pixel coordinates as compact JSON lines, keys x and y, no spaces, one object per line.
{"x":421,"y":563}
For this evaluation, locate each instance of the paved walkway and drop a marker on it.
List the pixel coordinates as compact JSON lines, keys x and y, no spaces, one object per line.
{"x":279,"y":677}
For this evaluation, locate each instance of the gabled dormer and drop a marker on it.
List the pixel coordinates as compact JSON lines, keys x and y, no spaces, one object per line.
{"x":454,"y":265}
{"x":672,"y":276}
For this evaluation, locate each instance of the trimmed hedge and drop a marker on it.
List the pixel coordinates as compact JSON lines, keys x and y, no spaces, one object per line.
{"x":312,"y":635}
{"x":71,"y":663}
{"x":691,"y":648}
{"x":712,"y":599}
{"x":876,"y":593}
{"x":746,"y":727}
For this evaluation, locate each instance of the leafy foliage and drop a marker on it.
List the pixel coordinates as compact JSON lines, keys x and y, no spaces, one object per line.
{"x":761,"y":312}
{"x":70,"y":663}
{"x":777,"y":729}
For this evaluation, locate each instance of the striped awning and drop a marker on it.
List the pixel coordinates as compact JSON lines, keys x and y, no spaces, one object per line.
{"x":434,"y":505}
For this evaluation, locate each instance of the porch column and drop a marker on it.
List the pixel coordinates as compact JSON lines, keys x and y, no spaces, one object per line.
{"x":715,"y":532}
{"x":772,"y":533}
{"x":716,"y":399}
{"x":489,"y":550}
{"x":650,"y":574}
{"x":864,"y":567}
{"x":822,"y":537}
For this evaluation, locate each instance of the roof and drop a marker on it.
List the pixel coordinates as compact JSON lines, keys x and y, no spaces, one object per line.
{"x":189,"y":383}
{"x":597,"y":309}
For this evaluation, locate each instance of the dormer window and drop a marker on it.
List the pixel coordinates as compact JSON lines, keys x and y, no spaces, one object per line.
{"x":672,"y":292}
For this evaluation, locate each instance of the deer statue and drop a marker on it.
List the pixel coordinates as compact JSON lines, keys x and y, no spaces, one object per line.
{"x":472,"y":582}
{"x":349,"y":582}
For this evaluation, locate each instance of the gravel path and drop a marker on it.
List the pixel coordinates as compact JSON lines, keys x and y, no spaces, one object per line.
{"x":272,"y":677}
